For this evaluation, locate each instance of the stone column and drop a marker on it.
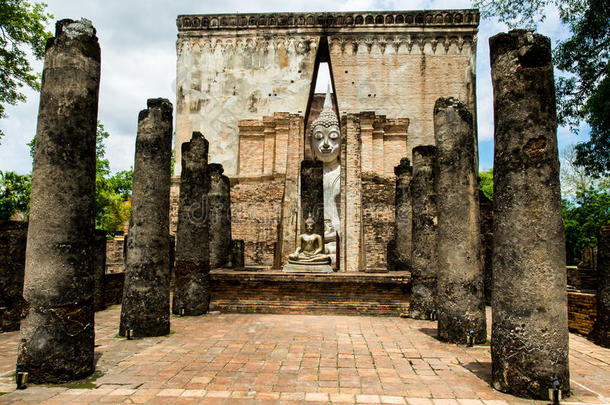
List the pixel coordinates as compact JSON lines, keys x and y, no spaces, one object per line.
{"x":312,"y":194}
{"x":601,"y":329}
{"x":459,"y":285}
{"x":219,"y":201}
{"x":237,"y":254}
{"x":99,"y":269}
{"x":403,"y":215}
{"x":192,"y":262}
{"x":423,"y":257}
{"x":13,"y":236}
{"x":147,"y":254}
{"x":529,"y":344}
{"x":57,"y":334}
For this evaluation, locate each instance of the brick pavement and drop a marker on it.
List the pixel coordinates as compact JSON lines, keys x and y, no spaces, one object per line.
{"x":293,"y":359}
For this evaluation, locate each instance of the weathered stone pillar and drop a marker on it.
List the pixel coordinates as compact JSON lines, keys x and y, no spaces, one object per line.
{"x":192,"y":262}
{"x":99,"y":269}
{"x":486,"y":221}
{"x":57,"y":334}
{"x":219,"y":201}
{"x":237,"y":254}
{"x":601,"y":329}
{"x":459,"y":285}
{"x":13,"y":236}
{"x":529,"y":344}
{"x":403,"y":215}
{"x":147,"y":254}
{"x":423,"y":258}
{"x":312,"y":194}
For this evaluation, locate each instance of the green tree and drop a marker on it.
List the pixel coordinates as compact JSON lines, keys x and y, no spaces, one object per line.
{"x":584,"y":89}
{"x":486,"y":183}
{"x":22,"y":26}
{"x":112,"y":192}
{"x":583,"y":218}
{"x":14,"y":194}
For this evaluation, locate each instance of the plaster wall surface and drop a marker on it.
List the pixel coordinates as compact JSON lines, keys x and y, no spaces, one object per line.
{"x":235,"y":67}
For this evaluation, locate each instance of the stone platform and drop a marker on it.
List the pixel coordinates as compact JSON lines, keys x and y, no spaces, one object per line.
{"x":277,"y":292}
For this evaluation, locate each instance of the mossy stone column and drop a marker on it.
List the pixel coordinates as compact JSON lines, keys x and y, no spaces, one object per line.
{"x":460,"y":291}
{"x":529,"y":345}
{"x":219,"y":202}
{"x":192,"y":262}
{"x":423,"y":257}
{"x":147,"y":256}
{"x":57,"y":334}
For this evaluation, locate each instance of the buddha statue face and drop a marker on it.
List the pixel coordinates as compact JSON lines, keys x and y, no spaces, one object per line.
{"x":325,"y":134}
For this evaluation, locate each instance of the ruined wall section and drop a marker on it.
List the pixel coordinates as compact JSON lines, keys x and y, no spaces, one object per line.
{"x":372,"y":145}
{"x":264,"y":193}
{"x":224,"y":76}
{"x":402,"y":73}
{"x":245,"y":66}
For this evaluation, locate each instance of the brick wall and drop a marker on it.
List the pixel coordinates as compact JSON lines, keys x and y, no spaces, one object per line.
{"x":582,"y":310}
{"x":256,"y":208}
{"x":378,"y":198}
{"x":114,"y":256}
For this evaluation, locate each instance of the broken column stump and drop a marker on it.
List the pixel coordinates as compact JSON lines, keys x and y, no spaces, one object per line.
{"x":219,"y":202}
{"x":529,"y":344}
{"x":99,"y":269}
{"x":13,"y":236}
{"x":459,"y":284}
{"x":403,"y":215}
{"x":601,"y":329}
{"x":423,"y":258}
{"x":145,"y":309}
{"x":192,"y":262}
{"x":57,"y":333}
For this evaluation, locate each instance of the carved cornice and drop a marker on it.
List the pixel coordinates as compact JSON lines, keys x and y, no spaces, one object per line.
{"x":468,"y":18}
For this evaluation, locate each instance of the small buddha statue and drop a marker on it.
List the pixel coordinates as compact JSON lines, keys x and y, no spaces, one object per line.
{"x":310,"y":248}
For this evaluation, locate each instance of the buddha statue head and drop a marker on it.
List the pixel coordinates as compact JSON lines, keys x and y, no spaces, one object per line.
{"x":325,"y":133}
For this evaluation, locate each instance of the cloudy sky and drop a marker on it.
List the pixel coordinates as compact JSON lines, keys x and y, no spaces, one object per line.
{"x":137,"y":39}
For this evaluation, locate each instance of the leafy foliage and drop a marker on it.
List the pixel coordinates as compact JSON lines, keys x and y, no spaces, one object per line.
{"x":112,"y":192}
{"x":22,"y":25}
{"x":14,"y":194}
{"x":583,"y":219}
{"x":486,"y":183}
{"x":583,"y":92}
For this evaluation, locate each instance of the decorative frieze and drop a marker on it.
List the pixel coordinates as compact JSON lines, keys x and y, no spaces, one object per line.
{"x":454,"y":18}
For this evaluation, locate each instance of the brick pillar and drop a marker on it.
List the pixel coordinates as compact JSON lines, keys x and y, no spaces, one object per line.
{"x":290,"y":203}
{"x":219,"y":201}
{"x":147,"y":256}
{"x":57,"y":334}
{"x":601,"y":329}
{"x":403,"y":215}
{"x":13,"y":236}
{"x":351,"y":195}
{"x":459,"y":285}
{"x":529,"y":344}
{"x":192,"y":261}
{"x":423,"y":257}
{"x":312,"y":194}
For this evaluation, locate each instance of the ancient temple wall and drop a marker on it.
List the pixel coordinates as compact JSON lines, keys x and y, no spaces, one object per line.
{"x":371,"y":145}
{"x":402,"y":74}
{"x":224,"y":76}
{"x":264,"y":203}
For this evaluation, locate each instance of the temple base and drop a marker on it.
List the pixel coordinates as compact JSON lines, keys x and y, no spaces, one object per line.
{"x":307,"y":268}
